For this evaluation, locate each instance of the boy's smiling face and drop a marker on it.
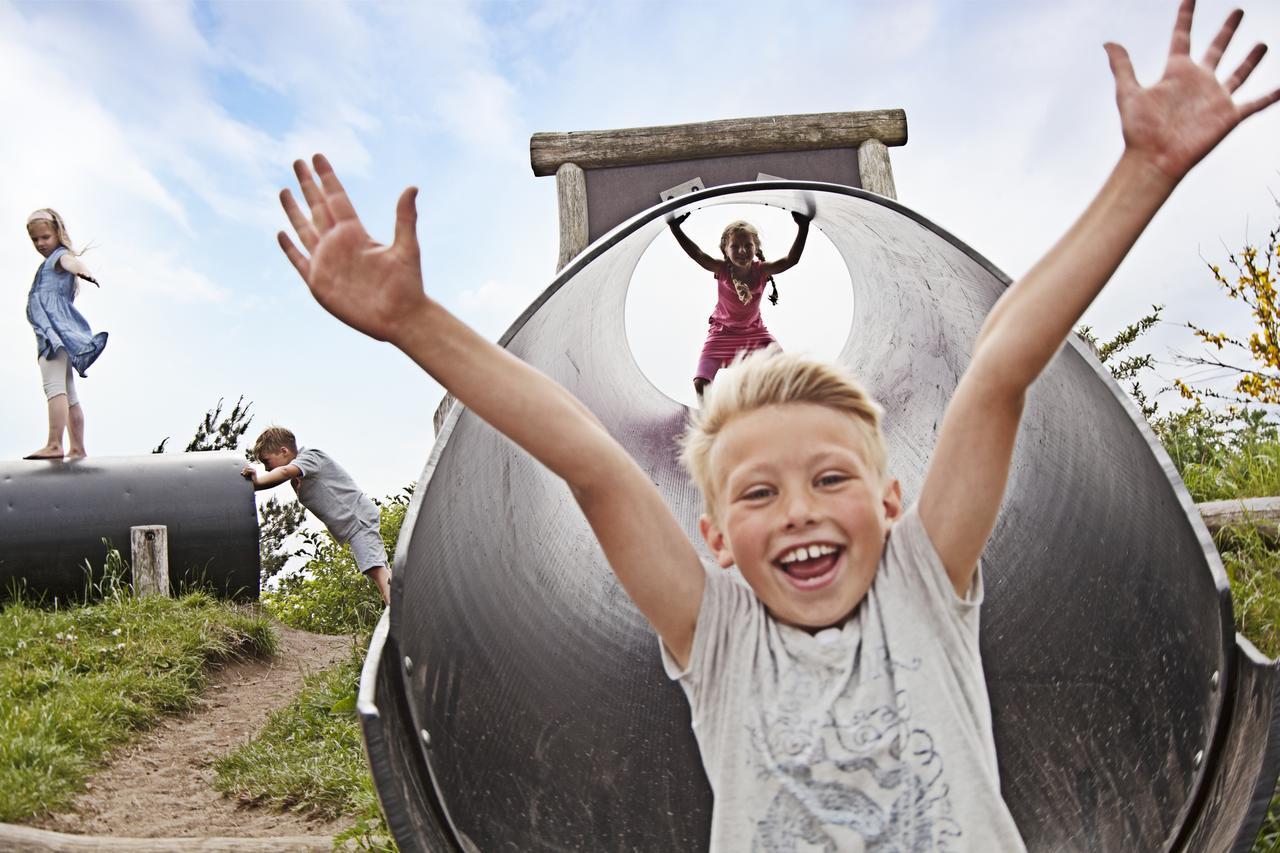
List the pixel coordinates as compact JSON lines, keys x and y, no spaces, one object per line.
{"x":800,"y":510}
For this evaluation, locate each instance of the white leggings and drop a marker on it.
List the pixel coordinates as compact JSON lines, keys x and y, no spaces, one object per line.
{"x":58,"y":377}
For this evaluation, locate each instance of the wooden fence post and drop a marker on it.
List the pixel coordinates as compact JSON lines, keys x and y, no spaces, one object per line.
{"x":571,"y":198}
{"x":874,"y":169}
{"x":149,"y":545}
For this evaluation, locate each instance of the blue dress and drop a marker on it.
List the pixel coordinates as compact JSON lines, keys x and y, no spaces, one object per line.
{"x":56,"y":322}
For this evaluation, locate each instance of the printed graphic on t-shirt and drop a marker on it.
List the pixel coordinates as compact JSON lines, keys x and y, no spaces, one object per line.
{"x":860,"y":776}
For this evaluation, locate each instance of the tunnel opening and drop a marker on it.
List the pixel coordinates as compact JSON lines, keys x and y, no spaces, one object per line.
{"x":670,"y":297}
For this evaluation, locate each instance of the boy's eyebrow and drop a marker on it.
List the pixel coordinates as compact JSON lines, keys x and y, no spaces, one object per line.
{"x":822,"y":456}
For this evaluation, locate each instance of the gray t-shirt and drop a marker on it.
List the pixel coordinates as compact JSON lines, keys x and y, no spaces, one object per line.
{"x":327,"y":490}
{"x":872,"y":736}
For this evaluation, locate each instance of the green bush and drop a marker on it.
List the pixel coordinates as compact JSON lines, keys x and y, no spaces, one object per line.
{"x":1221,"y":455}
{"x":329,"y":595}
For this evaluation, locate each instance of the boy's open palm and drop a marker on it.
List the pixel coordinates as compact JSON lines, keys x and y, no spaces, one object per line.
{"x":1180,"y":119}
{"x":369,"y":286}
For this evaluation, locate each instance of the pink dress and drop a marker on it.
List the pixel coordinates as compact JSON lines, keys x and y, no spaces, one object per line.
{"x":735,"y":324}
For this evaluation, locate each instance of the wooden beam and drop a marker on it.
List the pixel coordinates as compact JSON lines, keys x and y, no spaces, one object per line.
{"x":571,"y":198}
{"x":595,"y":149}
{"x":25,"y":838}
{"x":874,"y":169}
{"x":1261,"y":512}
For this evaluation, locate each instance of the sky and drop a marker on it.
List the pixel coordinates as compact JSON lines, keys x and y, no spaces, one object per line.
{"x":162,"y":133}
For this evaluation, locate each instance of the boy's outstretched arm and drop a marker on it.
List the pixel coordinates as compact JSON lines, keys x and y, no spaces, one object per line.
{"x":270,"y":479}
{"x":378,"y":290}
{"x":1167,"y":129}
{"x":797,"y":247}
{"x":691,"y":249}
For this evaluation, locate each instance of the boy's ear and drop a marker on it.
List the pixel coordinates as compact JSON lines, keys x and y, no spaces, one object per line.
{"x":892,"y":500}
{"x":716,"y":541}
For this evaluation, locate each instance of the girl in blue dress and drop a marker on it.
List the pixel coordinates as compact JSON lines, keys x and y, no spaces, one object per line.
{"x":64,"y":341}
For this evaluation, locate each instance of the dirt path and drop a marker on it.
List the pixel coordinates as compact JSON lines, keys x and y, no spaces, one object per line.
{"x":161,"y":786}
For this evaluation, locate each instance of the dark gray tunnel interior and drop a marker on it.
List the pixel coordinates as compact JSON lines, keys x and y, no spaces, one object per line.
{"x":531,"y":689}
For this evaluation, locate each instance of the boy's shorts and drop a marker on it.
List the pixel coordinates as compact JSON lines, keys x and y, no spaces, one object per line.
{"x":367,"y":548}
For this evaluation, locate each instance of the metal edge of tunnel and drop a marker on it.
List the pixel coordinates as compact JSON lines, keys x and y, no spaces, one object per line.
{"x":415,"y":814}
{"x":1242,"y":779}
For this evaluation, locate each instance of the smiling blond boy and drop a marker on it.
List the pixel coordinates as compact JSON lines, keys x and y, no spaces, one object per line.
{"x":837,"y":697}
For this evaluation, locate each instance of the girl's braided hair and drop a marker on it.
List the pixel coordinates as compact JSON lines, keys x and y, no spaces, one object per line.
{"x":744,"y":227}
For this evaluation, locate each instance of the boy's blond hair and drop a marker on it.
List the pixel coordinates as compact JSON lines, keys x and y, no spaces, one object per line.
{"x":275,"y":438}
{"x":770,"y":377}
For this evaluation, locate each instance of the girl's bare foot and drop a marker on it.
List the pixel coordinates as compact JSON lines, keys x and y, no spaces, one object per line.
{"x":75,"y":454}
{"x":49,"y":451}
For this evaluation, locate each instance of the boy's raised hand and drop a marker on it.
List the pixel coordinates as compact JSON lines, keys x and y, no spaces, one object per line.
{"x":369,"y":286}
{"x":1177,"y":121}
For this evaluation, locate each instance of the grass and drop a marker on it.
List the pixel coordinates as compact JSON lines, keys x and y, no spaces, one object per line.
{"x":309,"y":758}
{"x":81,"y":680}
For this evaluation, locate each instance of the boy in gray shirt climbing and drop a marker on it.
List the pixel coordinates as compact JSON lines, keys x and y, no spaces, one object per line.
{"x":835,"y":681}
{"x":325,"y":488}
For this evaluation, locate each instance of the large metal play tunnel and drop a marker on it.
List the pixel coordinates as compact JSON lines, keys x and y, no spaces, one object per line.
{"x":515,"y":699}
{"x":54,"y":516}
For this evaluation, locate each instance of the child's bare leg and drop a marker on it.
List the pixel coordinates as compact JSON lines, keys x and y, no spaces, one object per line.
{"x":382,"y":578}
{"x":75,"y":431}
{"x":58,"y":412}
{"x":57,"y":426}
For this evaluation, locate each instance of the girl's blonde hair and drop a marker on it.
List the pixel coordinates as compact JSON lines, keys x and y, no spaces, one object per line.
{"x":48,"y":214}
{"x":744,"y":227}
{"x":740,"y":227}
{"x":770,"y":377}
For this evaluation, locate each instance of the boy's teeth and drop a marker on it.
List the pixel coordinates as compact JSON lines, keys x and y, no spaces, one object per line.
{"x":811,"y":552}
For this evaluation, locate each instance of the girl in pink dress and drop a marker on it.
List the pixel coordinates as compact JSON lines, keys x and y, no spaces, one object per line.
{"x":735,"y":324}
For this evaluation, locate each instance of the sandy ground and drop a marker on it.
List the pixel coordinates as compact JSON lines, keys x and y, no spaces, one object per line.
{"x":161,"y":786}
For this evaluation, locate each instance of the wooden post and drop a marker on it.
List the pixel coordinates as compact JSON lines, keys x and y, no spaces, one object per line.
{"x":571,"y":193}
{"x":149,"y":545}
{"x":442,"y":412}
{"x":874,"y":168}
